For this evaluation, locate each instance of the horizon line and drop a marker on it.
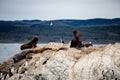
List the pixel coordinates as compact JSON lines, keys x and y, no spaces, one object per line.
{"x":57,"y":19}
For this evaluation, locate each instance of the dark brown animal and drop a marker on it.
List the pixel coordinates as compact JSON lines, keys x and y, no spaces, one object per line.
{"x":31,"y":44}
{"x":21,"y":55}
{"x":76,"y":41}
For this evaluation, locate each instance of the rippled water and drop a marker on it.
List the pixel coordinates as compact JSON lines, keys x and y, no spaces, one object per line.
{"x":7,"y":50}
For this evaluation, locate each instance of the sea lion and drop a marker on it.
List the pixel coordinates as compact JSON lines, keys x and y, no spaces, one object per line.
{"x":29,"y":56}
{"x":76,"y":40}
{"x":31,"y":44}
{"x":28,"y":53}
{"x":21,"y":55}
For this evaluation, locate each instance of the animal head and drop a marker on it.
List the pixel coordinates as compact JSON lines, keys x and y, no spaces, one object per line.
{"x":35,"y":39}
{"x":76,"y":33}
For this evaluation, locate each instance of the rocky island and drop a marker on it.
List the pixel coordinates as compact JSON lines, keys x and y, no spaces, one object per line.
{"x":60,"y":62}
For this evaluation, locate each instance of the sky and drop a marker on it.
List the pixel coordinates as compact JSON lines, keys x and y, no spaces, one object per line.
{"x":58,"y":9}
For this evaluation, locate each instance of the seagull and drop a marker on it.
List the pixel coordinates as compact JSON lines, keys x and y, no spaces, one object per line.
{"x":90,"y":42}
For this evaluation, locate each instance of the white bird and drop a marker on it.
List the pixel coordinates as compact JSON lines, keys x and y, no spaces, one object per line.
{"x":90,"y":42}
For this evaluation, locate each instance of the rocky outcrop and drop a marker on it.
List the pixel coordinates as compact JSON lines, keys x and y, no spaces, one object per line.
{"x":60,"y":62}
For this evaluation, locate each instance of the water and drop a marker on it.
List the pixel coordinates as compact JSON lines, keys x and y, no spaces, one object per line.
{"x":8,"y":50}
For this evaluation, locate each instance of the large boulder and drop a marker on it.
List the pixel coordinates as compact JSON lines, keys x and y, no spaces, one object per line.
{"x":64,"y":63}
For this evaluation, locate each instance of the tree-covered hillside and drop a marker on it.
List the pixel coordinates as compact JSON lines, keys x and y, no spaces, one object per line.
{"x":99,"y":31}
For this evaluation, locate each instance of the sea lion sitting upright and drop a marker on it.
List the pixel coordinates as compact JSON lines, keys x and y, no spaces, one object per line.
{"x":76,"y":41}
{"x":31,"y":44}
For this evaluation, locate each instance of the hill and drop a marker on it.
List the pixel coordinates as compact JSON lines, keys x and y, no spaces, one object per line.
{"x":96,"y":30}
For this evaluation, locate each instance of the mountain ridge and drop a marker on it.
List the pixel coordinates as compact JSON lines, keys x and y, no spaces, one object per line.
{"x":68,"y":22}
{"x":97,"y":30}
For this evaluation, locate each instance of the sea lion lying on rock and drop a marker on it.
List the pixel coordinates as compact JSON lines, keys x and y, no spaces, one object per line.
{"x":28,"y":53}
{"x":21,"y":55}
{"x":31,"y":44}
{"x":29,"y":56}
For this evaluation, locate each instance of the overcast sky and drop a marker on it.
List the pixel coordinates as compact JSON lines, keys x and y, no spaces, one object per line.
{"x":58,"y":9}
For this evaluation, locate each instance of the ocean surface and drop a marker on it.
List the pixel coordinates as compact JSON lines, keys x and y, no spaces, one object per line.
{"x":8,"y":50}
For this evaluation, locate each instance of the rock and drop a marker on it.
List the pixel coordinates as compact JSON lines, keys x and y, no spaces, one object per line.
{"x":60,"y":62}
{"x":19,"y":77}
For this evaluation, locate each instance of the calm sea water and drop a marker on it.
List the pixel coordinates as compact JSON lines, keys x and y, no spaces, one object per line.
{"x":7,"y":50}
